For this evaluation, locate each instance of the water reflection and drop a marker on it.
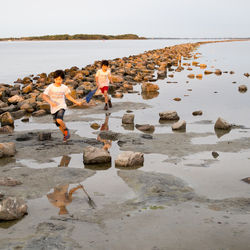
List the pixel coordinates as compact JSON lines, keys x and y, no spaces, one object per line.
{"x":65,"y":161}
{"x":220,"y":132}
{"x":62,"y":197}
{"x":149,"y":95}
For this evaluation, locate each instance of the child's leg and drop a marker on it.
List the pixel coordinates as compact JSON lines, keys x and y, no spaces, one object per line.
{"x":106,"y":96}
{"x":62,"y":125}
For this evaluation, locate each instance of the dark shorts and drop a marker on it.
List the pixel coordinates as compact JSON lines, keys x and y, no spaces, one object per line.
{"x":59,"y":114}
{"x":105,"y":88}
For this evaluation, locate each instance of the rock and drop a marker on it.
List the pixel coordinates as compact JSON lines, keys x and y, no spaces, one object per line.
{"x":6,"y":119}
{"x":161,"y":74}
{"x":215,"y":154}
{"x":191,"y":76}
{"x":218,"y":72}
{"x":117,"y":79}
{"x":93,"y":155}
{"x":203,"y":66}
{"x":18,"y":114}
{"x":194,"y":63}
{"x":169,"y":115}
{"x":222,"y":124}
{"x":128,"y":118}
{"x":247,"y":180}
{"x":95,"y":126}
{"x":117,"y":95}
{"x":231,"y":72}
{"x":246,"y":74}
{"x":129,"y":159}
{"x":6,"y":130}
{"x":26,"y":80}
{"x":10,"y":108}
{"x":145,"y":128}
{"x":38,"y":113}
{"x":207,"y":72}
{"x":189,"y":68}
{"x":12,"y":208}
{"x":149,"y":87}
{"x":27,"y":89}
{"x":198,"y":112}
{"x":15,"y":99}
{"x":177,"y":99}
{"x":242,"y":88}
{"x":44,"y":136}
{"x":199,"y":76}
{"x":25,"y":119}
{"x":8,"y":181}
{"x":27,"y":107}
{"x":180,"y":125}
{"x":7,"y":149}
{"x":171,"y":75}
{"x":3,"y":104}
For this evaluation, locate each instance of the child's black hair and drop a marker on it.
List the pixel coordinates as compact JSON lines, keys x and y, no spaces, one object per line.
{"x":58,"y":73}
{"x":105,"y":62}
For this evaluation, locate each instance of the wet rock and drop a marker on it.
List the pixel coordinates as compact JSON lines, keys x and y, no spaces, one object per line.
{"x":203,"y":65}
{"x":129,"y":159}
{"x":27,"y":107}
{"x":128,"y":118}
{"x":93,"y":155}
{"x":25,"y":119}
{"x":198,"y":112}
{"x":242,"y":88}
{"x":194,"y":63}
{"x":161,"y":74}
{"x":39,"y":113}
{"x":222,"y":124}
{"x":12,"y":208}
{"x":117,"y":79}
{"x":169,"y":115}
{"x":231,"y":72}
{"x":149,"y":87}
{"x":247,"y":180}
{"x":215,"y":154}
{"x":199,"y":76}
{"x":3,"y":104}
{"x":246,"y":74}
{"x":177,"y":99}
{"x":8,"y":181}
{"x":10,"y":108}
{"x":15,"y":99}
{"x":218,"y":72}
{"x":180,"y":125}
{"x":44,"y":136}
{"x":27,"y":89}
{"x":18,"y":114}
{"x":145,"y":128}
{"x":191,"y":76}
{"x":95,"y":126}
{"x":208,"y":72}
{"x":6,"y":130}
{"x":6,"y":119}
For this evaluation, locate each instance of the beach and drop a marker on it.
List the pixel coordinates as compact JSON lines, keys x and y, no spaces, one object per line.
{"x":189,"y":193}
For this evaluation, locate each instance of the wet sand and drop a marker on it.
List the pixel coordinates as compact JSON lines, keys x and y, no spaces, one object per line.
{"x":182,"y":198}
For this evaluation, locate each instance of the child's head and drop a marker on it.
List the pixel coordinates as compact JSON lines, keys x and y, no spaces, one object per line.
{"x":104,"y":65}
{"x":59,"y":76}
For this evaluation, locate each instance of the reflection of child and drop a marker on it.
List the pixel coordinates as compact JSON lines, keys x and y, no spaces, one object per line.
{"x":105,"y":127}
{"x":103,"y":77}
{"x":61,"y":197}
{"x":55,"y":95}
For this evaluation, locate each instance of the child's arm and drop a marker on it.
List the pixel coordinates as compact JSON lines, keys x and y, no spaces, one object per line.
{"x":110,"y":78}
{"x":47,"y":99}
{"x":69,"y":97}
{"x":96,"y":80}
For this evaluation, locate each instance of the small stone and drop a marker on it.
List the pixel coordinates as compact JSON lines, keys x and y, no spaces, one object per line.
{"x":218,"y":72}
{"x":169,"y":115}
{"x":207,"y":72}
{"x":128,"y":118}
{"x":177,"y":99}
{"x":242,"y":88}
{"x":198,"y":112}
{"x":39,"y":113}
{"x":25,"y":120}
{"x":6,"y":119}
{"x":203,"y":65}
{"x":191,"y":76}
{"x":180,"y":125}
{"x":145,"y":128}
{"x":215,"y":154}
{"x":222,"y":124}
{"x":95,"y":126}
{"x":246,"y":74}
{"x":199,"y":76}
{"x":7,"y":149}
{"x":93,"y":155}
{"x":247,"y":180}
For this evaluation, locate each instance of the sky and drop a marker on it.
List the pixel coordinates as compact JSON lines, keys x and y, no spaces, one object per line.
{"x":148,"y":18}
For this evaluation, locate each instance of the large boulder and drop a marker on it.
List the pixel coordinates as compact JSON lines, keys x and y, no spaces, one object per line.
{"x":15,"y":99}
{"x":93,"y":155}
{"x":128,"y":118}
{"x":6,"y":119}
{"x":129,"y":159}
{"x":12,"y":208}
{"x":169,"y":115}
{"x":149,"y":87}
{"x":222,"y":124}
{"x":7,"y":149}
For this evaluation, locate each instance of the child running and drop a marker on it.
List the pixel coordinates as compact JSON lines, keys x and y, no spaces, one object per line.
{"x":55,"y":95}
{"x":103,"y":77}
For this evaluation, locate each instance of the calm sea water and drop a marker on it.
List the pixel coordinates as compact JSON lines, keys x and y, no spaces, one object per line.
{"x":19,"y":59}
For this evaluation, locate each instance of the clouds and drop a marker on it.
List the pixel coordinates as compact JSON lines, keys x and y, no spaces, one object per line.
{"x":151,"y":18}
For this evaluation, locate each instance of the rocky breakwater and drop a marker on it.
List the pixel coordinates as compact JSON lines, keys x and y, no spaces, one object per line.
{"x":25,"y":96}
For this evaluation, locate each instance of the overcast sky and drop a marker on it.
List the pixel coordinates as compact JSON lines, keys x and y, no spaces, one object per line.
{"x":150,"y":18}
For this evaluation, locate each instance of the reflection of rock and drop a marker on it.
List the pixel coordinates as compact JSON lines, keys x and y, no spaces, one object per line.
{"x":222,"y":124}
{"x":128,"y":126}
{"x":242,"y":88}
{"x":157,"y":187}
{"x":95,"y":126}
{"x":65,"y":161}
{"x":145,"y":128}
{"x":103,"y":166}
{"x":8,"y":181}
{"x":6,"y":129}
{"x":180,"y":125}
{"x":169,"y":115}
{"x":199,"y":76}
{"x":220,"y":132}
{"x":129,"y":159}
{"x":149,"y":87}
{"x":128,"y":119}
{"x":44,"y":136}
{"x":93,"y":155}
{"x":149,"y":95}
{"x":7,"y":149}
{"x":12,"y":208}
